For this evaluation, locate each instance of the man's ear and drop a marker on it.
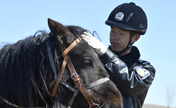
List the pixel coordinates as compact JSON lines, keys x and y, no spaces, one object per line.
{"x":136,"y":37}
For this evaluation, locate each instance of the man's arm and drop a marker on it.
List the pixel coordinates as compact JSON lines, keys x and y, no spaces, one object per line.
{"x":129,"y":82}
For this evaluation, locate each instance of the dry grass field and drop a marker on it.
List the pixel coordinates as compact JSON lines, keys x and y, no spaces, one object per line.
{"x":154,"y":106}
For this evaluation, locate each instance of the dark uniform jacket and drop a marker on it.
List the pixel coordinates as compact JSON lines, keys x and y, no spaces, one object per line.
{"x":132,"y":76}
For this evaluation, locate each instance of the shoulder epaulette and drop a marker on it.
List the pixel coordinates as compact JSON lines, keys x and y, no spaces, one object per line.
{"x":142,"y":62}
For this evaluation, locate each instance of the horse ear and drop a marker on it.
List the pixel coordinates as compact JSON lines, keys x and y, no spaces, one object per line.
{"x":58,"y":30}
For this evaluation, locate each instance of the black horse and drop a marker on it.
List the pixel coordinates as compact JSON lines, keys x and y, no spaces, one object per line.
{"x":29,"y":67}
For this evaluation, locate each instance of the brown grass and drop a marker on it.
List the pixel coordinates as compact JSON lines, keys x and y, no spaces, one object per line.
{"x":154,"y":106}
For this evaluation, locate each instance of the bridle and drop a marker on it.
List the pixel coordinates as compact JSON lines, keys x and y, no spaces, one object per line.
{"x":75,"y":77}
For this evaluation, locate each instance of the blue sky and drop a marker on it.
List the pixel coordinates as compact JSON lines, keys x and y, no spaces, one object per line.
{"x":20,"y":19}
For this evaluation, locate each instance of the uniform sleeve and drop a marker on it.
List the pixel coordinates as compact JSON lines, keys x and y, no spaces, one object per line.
{"x":131,"y":82}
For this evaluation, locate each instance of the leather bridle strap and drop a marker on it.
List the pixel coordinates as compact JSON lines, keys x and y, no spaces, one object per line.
{"x":64,"y":52}
{"x":59,"y":78}
{"x":74,"y":75}
{"x":78,"y":84}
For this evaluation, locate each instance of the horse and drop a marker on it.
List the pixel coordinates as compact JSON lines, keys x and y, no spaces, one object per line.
{"x":32,"y":72}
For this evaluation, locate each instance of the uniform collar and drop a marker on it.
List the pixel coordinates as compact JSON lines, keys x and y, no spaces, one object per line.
{"x":131,"y":57}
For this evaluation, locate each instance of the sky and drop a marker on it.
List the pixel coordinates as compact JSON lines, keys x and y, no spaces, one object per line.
{"x":22,"y":18}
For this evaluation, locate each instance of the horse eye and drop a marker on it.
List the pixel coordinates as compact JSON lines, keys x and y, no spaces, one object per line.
{"x":87,"y":61}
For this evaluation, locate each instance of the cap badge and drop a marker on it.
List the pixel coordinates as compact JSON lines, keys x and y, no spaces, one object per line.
{"x":119,"y":16}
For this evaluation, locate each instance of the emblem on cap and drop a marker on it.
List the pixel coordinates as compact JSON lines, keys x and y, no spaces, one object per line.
{"x":119,"y":16}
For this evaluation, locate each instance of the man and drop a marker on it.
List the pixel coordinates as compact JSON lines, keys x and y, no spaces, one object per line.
{"x":132,"y":76}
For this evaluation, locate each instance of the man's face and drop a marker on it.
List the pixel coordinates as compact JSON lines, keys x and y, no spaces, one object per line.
{"x":119,"y":39}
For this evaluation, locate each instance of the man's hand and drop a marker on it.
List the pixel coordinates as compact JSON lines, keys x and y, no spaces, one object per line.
{"x":98,"y":46}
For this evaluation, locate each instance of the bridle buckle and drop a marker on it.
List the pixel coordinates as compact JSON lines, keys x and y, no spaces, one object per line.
{"x":75,"y":77}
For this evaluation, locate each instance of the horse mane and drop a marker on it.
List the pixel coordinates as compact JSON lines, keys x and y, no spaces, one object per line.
{"x":19,"y":63}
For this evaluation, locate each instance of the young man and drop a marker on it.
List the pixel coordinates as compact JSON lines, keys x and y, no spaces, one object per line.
{"x":132,"y":76}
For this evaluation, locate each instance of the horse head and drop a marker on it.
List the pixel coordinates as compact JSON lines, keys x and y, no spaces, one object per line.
{"x":92,"y":73}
